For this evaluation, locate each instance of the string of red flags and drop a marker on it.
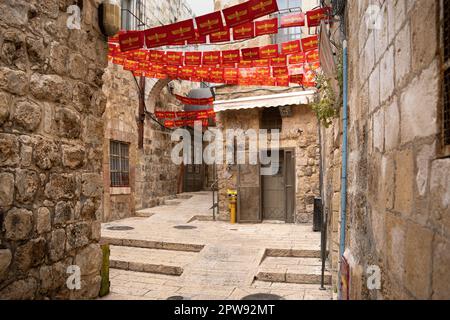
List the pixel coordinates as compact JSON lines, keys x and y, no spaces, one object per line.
{"x":237,"y":21}
{"x":193,"y":101}
{"x":173,"y":119}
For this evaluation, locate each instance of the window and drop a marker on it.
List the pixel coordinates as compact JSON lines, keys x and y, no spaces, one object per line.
{"x":271,"y":119}
{"x":446,"y":73}
{"x":119,"y":164}
{"x":288,"y":34}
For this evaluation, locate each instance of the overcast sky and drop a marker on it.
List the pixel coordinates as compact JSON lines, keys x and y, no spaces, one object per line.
{"x":201,"y":6}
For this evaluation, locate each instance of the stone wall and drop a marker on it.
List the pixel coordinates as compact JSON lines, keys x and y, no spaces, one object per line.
{"x":398,"y":184}
{"x":51,"y":104}
{"x":299,"y":132}
{"x":153,"y":177}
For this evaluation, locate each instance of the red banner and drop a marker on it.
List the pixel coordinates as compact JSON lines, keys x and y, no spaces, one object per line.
{"x":261,"y":63}
{"x":291,"y":47}
{"x":216,"y":75}
{"x":209,"y":23}
{"x":250,"y":54}
{"x":279,"y":71}
{"x":130,"y":65}
{"x":315,"y":16}
{"x":231,"y":56}
{"x":296,"y":78}
{"x":174,"y":58}
{"x":156,"y":37}
{"x":245,"y":64}
{"x":297,"y":58}
{"x":278,"y":62}
{"x":193,"y":58}
{"x":266,"y":27}
{"x":198,"y":39}
{"x":195,"y":102}
{"x":181,"y":31}
{"x":270,"y":51}
{"x":220,"y":36}
{"x":237,"y":15}
{"x":230,"y":75}
{"x":245,"y":31}
{"x":293,"y":20}
{"x":186,"y":72}
{"x":157,"y":56}
{"x":260,"y":8}
{"x":131,"y":40}
{"x":202,"y":73}
{"x":310,"y":43}
{"x":211,"y":58}
{"x":312,"y":56}
{"x":172,"y":71}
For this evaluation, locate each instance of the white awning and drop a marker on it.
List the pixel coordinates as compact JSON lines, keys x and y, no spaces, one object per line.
{"x":274,"y":100}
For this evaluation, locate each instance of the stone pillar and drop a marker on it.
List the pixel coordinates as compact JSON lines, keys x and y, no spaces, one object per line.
{"x":51,"y":129}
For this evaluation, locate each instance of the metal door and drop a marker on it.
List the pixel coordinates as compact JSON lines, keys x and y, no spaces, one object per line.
{"x":249,"y":194}
{"x":273,"y":193}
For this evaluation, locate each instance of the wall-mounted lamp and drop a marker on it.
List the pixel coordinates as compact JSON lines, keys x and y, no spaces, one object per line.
{"x":110,"y":17}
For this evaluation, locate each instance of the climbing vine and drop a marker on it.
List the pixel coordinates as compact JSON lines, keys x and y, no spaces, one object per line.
{"x":327,"y":103}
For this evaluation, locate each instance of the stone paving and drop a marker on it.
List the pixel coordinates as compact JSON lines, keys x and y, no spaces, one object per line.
{"x":228,"y":260}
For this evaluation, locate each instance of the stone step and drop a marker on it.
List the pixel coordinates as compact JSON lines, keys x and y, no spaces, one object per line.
{"x":148,"y":244}
{"x":293,"y":253}
{"x":150,"y":260}
{"x":184,"y":196}
{"x":292,"y":270}
{"x":172,"y":202}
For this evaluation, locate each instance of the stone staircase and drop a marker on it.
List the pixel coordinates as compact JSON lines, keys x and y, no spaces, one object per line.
{"x":292,"y":266}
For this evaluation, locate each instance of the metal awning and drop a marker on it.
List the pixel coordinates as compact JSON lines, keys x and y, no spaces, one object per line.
{"x":268,"y":101}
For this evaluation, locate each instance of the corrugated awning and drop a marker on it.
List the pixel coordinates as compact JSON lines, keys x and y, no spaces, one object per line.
{"x":274,"y":100}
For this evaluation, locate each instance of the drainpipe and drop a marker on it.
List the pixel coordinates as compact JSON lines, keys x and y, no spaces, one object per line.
{"x":344,"y":163}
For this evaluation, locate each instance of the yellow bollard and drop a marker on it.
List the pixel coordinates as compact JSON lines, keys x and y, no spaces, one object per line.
{"x":232,"y":197}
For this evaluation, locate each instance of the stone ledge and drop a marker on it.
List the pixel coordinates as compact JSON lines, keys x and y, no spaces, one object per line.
{"x":146,"y":267}
{"x":153,"y":244}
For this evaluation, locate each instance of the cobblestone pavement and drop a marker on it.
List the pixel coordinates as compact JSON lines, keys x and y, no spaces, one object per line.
{"x":218,"y":260}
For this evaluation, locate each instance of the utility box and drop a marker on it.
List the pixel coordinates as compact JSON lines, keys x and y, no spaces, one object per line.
{"x":318,"y":215}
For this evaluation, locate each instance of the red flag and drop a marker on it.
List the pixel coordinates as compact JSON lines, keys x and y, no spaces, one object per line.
{"x":201,"y":73}
{"x":217,"y":75}
{"x":131,"y":40}
{"x":157,"y":56}
{"x":196,"y":102}
{"x":310,"y":43}
{"x":279,"y":71}
{"x":211,"y":58}
{"x":118,"y":60}
{"x":245,"y":31}
{"x":220,"y":36}
{"x":296,"y":78}
{"x":261,"y":63}
{"x":293,"y":20}
{"x":315,"y":16}
{"x":263,"y":73}
{"x":238,"y":14}
{"x":278,"y":62}
{"x":297,"y":58}
{"x":250,"y":54}
{"x":209,"y":23}
{"x":270,"y":51}
{"x":230,"y":75}
{"x":198,"y":38}
{"x":172,"y":71}
{"x":193,"y":58}
{"x":231,"y":56}
{"x":174,"y":58}
{"x":266,"y":27}
{"x":181,"y":31}
{"x":312,"y":56}
{"x":156,"y":37}
{"x":260,"y":8}
{"x":291,"y":47}
{"x":185,"y":73}
{"x":245,"y":64}
{"x":282,"y":81}
{"x":130,"y":65}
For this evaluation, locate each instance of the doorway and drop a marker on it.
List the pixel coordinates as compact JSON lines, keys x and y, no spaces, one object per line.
{"x":278,"y":190}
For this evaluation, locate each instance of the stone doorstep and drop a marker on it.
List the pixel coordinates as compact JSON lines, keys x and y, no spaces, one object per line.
{"x":292,"y":253}
{"x":147,"y":244}
{"x":172,"y":202}
{"x":146,"y":267}
{"x":141,"y":214}
{"x":184,"y":196}
{"x":287,"y":277}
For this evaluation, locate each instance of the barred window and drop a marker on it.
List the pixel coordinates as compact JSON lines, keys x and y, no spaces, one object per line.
{"x":119,"y":164}
{"x":288,"y":34}
{"x":446,"y":73}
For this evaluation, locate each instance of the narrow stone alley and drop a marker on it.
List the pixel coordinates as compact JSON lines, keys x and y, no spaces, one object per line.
{"x":177,"y":251}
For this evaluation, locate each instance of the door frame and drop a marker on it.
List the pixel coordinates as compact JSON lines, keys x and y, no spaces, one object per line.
{"x":288,"y":217}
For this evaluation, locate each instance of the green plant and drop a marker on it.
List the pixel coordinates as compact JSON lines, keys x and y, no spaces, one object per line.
{"x":327,"y":104}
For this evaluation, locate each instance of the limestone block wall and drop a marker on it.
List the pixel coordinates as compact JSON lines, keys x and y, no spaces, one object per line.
{"x":51,"y":104}
{"x":299,"y":132}
{"x":398,"y":200}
